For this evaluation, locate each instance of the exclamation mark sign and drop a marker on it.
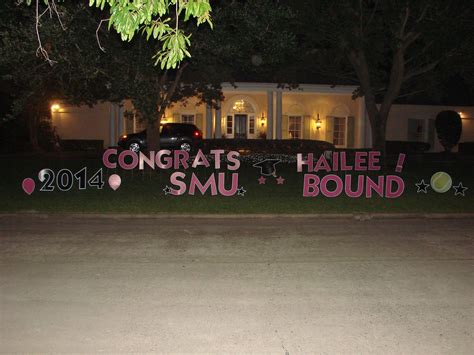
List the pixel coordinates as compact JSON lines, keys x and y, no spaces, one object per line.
{"x":401,"y":160}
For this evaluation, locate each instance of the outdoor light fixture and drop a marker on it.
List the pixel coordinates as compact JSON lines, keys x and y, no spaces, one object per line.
{"x":262,"y":120}
{"x":55,"y":108}
{"x":318,"y":123}
{"x":239,"y":106}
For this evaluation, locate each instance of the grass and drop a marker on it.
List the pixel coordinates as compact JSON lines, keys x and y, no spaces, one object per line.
{"x":142,"y":192}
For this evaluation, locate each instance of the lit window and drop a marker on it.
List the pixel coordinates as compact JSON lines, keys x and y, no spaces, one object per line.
{"x":242,"y":106}
{"x":252,"y":125}
{"x":230,"y":122}
{"x":294,"y":127}
{"x":187,"y":119}
{"x":339,"y":138}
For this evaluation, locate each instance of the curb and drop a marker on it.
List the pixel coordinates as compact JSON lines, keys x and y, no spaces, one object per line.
{"x":320,"y":216}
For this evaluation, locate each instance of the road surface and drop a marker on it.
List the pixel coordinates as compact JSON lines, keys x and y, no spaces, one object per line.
{"x":274,"y":285}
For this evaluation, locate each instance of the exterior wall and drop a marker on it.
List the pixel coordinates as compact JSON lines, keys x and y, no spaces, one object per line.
{"x":83,"y":122}
{"x":106,"y":121}
{"x":191,"y":106}
{"x":326,"y":106}
{"x":397,"y":125}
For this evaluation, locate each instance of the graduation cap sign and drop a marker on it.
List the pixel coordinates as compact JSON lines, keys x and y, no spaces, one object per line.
{"x":267,"y":167}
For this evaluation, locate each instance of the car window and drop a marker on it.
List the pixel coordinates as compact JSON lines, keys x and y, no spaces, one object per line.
{"x":165,"y":130}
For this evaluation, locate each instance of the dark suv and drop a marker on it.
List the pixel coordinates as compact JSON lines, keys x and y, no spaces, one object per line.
{"x":182,"y":136}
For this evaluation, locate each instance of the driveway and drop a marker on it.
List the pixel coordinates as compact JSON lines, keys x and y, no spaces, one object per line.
{"x":272,"y":285}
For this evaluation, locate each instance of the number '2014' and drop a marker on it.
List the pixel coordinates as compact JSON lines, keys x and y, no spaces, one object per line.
{"x":65,"y":178}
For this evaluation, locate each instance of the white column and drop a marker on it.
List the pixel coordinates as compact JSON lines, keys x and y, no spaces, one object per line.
{"x":425,"y":129}
{"x":218,"y":121}
{"x":208,"y":122}
{"x":112,"y":126}
{"x":279,"y":115}
{"x":270,"y":115}
{"x":120,"y":120}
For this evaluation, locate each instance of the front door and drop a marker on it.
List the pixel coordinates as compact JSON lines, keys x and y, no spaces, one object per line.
{"x":240,"y":130}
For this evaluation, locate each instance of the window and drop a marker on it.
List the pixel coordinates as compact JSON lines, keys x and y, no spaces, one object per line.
{"x":339,"y":137}
{"x":230,"y":121}
{"x":294,"y":127}
{"x":187,"y":119}
{"x":242,"y":106}
{"x":416,"y":130}
{"x":252,"y":125}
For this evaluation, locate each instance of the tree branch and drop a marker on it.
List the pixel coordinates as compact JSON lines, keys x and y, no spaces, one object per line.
{"x":97,"y":33}
{"x":40,"y":51}
{"x":422,"y":70}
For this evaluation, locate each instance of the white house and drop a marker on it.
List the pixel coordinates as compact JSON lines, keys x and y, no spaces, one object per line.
{"x":257,"y":110}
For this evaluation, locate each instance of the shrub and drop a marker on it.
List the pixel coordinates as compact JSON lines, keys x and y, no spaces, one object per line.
{"x":466,"y":147}
{"x":91,"y":145}
{"x":449,"y":128}
{"x":268,"y":146}
{"x":395,"y":147}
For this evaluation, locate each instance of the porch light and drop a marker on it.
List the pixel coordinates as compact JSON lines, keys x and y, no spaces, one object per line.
{"x":262,"y":120}
{"x":318,"y":123}
{"x":55,"y":107}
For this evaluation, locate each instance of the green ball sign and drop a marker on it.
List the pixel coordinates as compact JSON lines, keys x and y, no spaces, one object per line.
{"x":441,"y":182}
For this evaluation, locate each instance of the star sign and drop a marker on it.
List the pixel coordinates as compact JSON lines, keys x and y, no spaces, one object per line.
{"x":460,"y":190}
{"x":262,"y":180}
{"x":167,"y":190}
{"x":241,"y":191}
{"x":280,"y":180}
{"x":422,"y":186}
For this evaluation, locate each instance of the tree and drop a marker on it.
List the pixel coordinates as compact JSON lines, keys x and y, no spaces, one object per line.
{"x":449,"y":129}
{"x":222,"y":54}
{"x":159,"y":19}
{"x":85,"y":74}
{"x":33,"y":83}
{"x":388,"y":47}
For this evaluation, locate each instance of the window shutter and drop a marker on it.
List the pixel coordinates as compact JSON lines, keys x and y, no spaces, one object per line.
{"x":350,"y":132}
{"x":329,"y":129}
{"x":284,"y":127}
{"x":176,"y":117}
{"x":411,"y":129}
{"x":307,"y":127}
{"x":199,"y":118}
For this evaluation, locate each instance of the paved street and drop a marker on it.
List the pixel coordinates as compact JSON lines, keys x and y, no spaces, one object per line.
{"x":274,"y":285}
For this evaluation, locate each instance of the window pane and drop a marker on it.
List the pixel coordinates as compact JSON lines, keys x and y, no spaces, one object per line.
{"x":229,"y":124}
{"x":252,"y":125}
{"x":294,"y":127}
{"x":339,"y":136}
{"x":187,"y":119}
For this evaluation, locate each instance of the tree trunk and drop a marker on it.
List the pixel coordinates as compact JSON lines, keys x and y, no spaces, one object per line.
{"x":153,"y":135}
{"x":378,"y":125}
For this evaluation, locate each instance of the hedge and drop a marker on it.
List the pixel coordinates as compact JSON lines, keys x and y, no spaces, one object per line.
{"x":395,"y":147}
{"x":466,"y":147}
{"x":268,"y":146}
{"x":87,"y":145}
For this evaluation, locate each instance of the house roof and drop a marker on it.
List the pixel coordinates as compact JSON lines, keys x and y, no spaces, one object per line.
{"x":303,"y":88}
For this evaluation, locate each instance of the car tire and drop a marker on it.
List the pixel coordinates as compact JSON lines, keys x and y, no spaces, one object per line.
{"x":135,"y":147}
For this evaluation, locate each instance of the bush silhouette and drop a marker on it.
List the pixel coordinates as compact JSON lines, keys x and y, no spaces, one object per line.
{"x":448,"y":128}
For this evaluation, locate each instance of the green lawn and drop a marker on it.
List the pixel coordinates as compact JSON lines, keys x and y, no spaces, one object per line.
{"x":143,"y":192}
